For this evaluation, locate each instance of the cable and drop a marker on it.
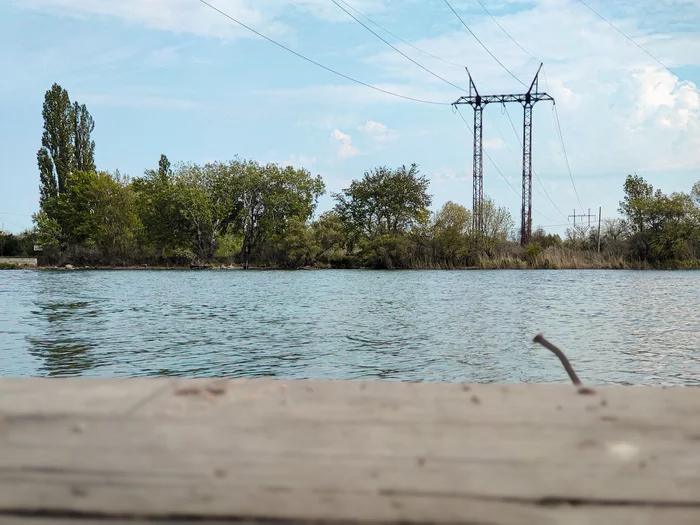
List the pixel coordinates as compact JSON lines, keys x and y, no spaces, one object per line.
{"x":401,"y":39}
{"x":392,"y":46}
{"x":566,"y":157}
{"x":497,"y":168}
{"x":533,"y":169}
{"x":318,"y":63}
{"x":688,"y":83}
{"x":506,"y":32}
{"x":510,"y":150}
{"x":483,"y":45}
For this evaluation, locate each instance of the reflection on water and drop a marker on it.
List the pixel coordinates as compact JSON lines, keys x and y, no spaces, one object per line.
{"x":62,"y":349}
{"x":477,"y":326}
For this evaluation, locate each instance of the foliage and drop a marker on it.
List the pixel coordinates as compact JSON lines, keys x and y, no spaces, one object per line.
{"x":662,"y":227}
{"x":66,"y":147}
{"x":244,"y":212}
{"x":384,"y":202}
{"x":21,"y":245}
{"x":451,"y":232}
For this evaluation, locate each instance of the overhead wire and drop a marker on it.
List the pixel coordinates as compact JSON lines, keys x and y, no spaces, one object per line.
{"x":687,"y":82}
{"x":484,"y":45}
{"x":506,"y":32}
{"x":566,"y":156}
{"x":496,"y":166}
{"x":322,"y":66}
{"x":401,"y":39}
{"x":555,"y":114}
{"x":512,"y":125}
{"x":392,"y":46}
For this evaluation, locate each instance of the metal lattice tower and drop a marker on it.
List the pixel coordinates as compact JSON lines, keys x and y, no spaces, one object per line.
{"x":477,"y":102}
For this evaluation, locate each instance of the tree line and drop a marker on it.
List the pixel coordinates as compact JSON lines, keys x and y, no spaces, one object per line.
{"x":251,"y":214}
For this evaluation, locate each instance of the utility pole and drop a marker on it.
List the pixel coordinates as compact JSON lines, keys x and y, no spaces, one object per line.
{"x":583,"y":216}
{"x":477,"y":102}
{"x":600,"y":214}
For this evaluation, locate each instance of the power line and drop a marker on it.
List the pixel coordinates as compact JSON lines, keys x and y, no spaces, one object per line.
{"x":533,"y":171}
{"x":318,"y":63}
{"x":483,"y":45}
{"x":495,"y":166}
{"x":566,"y":157}
{"x":506,"y":32}
{"x":401,"y":39}
{"x":688,"y":83}
{"x":561,"y":138}
{"x":392,"y":46}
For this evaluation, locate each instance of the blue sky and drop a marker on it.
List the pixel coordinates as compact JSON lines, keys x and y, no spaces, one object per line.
{"x":175,"y":77}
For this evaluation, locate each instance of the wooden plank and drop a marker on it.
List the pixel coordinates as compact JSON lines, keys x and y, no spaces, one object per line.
{"x":36,"y":396}
{"x":486,"y":513}
{"x":374,"y":452}
{"x":479,"y":513}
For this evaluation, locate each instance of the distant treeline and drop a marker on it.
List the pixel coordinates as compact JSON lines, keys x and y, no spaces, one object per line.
{"x":245,"y":213}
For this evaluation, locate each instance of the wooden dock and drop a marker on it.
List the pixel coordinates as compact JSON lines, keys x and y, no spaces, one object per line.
{"x":140,"y":450}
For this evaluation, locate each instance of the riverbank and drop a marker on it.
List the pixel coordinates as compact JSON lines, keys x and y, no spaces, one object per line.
{"x":498,"y":263}
{"x":346,"y":451}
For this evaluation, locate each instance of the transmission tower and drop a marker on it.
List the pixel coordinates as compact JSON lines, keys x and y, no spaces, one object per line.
{"x":478,"y":102}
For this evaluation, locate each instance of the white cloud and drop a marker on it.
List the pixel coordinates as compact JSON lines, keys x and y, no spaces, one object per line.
{"x":344,"y":143}
{"x":377,"y":131}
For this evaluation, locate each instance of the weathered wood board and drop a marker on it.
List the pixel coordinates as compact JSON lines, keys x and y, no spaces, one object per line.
{"x":301,"y":451}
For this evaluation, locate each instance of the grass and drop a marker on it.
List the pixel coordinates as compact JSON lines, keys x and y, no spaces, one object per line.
{"x":557,"y":258}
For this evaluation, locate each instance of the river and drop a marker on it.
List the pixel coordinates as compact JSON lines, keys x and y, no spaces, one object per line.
{"x":622,"y":327}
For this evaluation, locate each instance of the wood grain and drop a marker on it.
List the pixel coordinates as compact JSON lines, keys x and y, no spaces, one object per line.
{"x":347,"y":451}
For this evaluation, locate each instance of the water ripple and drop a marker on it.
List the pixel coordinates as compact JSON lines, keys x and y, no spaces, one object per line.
{"x":618,"y":327}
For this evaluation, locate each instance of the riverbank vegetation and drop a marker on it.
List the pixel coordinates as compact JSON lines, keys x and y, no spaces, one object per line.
{"x":247,"y":214}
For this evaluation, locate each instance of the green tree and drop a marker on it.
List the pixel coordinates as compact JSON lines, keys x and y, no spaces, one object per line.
{"x":83,"y":145}
{"x":451,"y":232}
{"x":328,"y":237}
{"x":207,"y":197}
{"x":638,"y":202}
{"x":695,"y":193}
{"x":55,"y":158}
{"x":663,"y":227}
{"x":116,"y":217}
{"x":384,"y":201}
{"x":66,"y":146}
{"x":165,"y":228}
{"x":498,"y":225}
{"x":269,"y":198}
{"x":77,"y":206}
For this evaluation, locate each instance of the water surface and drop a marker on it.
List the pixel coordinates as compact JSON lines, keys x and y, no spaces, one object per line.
{"x":620,"y":327}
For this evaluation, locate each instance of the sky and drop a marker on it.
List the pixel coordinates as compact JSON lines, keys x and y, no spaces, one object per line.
{"x":177,"y":77}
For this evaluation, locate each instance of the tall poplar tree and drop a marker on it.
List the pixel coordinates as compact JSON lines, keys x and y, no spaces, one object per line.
{"x":66,"y":146}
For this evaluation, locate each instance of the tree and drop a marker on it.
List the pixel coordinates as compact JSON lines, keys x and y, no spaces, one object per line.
{"x":161,"y":213}
{"x":385,"y":201}
{"x":695,"y":194}
{"x":637,"y":203}
{"x":55,"y":158}
{"x":83,"y":145}
{"x":207,"y":197}
{"x":663,"y":227}
{"x":271,"y":197}
{"x":544,"y":239}
{"x":66,"y":145}
{"x":498,"y":225}
{"x":451,"y":231}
